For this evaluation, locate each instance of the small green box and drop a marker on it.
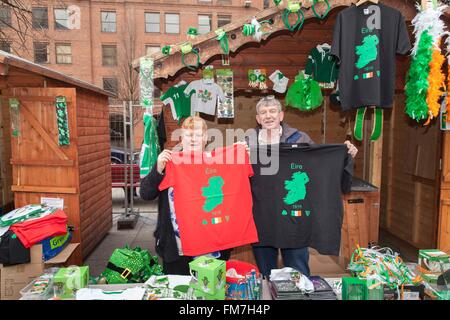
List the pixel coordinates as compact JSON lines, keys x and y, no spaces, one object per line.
{"x":208,"y":275}
{"x":220,"y":295}
{"x":69,"y":280}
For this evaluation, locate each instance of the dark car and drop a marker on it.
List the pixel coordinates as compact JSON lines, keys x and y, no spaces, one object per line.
{"x":118,"y":155}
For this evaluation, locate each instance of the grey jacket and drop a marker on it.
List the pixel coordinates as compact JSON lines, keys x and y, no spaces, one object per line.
{"x":289,"y":135}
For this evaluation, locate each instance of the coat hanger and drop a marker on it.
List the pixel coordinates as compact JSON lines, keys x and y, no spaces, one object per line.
{"x":360,"y":2}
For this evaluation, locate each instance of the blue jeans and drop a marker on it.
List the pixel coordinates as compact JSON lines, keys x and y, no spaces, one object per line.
{"x":267,"y":257}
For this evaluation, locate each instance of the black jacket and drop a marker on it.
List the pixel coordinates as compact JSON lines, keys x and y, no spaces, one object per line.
{"x":166,"y":245}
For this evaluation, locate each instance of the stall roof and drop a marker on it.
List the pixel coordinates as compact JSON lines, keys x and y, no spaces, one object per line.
{"x":15,"y":61}
{"x":168,"y":65}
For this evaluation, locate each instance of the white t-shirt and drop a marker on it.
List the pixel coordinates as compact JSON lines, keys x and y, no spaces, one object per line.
{"x":205,"y":97}
{"x":280,"y":81}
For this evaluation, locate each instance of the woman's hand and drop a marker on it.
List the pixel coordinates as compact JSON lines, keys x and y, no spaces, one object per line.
{"x":163,"y":158}
{"x":245,"y":145}
{"x":351,"y":148}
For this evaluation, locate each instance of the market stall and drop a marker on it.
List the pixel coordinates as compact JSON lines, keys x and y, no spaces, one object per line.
{"x":55,"y":147}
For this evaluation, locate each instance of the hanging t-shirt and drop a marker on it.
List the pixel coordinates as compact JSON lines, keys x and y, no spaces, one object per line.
{"x":365,"y":41}
{"x":205,"y":97}
{"x":280,"y":81}
{"x":180,"y":104}
{"x":301,"y":205}
{"x":322,"y":66}
{"x":212,"y":198}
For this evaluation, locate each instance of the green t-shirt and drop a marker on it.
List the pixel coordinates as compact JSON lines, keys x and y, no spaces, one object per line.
{"x":180,"y":103}
{"x":322,"y":66}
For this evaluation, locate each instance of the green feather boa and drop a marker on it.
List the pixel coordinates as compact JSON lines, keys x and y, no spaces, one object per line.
{"x":417,"y":81}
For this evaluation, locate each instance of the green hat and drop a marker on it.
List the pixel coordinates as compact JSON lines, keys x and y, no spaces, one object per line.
{"x":192,"y":32}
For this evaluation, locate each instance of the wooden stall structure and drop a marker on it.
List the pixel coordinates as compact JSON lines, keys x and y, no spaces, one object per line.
{"x":34,"y":166}
{"x":403,"y":163}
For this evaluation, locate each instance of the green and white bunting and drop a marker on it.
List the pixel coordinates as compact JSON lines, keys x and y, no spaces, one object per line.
{"x":62,"y":121}
{"x":14,"y":111}
{"x":146,"y":83}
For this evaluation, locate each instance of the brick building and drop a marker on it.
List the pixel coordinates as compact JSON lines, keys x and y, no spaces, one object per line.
{"x":101,"y":38}
{"x":111,"y":34}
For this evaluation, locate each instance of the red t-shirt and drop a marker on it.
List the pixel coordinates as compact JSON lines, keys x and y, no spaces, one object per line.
{"x":212,"y":198}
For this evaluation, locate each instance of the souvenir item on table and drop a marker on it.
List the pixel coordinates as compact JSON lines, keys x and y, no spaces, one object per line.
{"x":39,"y":289}
{"x":244,"y":282}
{"x":180,"y":104}
{"x":293,"y":7}
{"x":69,"y":280}
{"x":367,"y":73}
{"x":146,"y":82}
{"x":383,"y":266}
{"x":130,"y":266}
{"x":225,"y":108}
{"x":425,"y":80}
{"x":62,"y":121}
{"x":53,"y":246}
{"x":35,"y":230}
{"x":322,"y":66}
{"x":150,"y":146}
{"x":257,"y":78}
{"x":205,"y":96}
{"x":169,"y":287}
{"x":12,"y":251}
{"x":207,"y":189}
{"x":14,"y":111}
{"x":304,"y":94}
{"x":280,"y":81}
{"x":208,"y":277}
{"x":136,"y":293}
{"x":25,"y":213}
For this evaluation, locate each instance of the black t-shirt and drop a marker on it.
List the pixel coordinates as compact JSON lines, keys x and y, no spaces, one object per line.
{"x":301,"y":205}
{"x":12,"y":251}
{"x":365,"y":41}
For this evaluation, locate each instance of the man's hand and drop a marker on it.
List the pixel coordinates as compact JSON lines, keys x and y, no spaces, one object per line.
{"x":351,"y":148}
{"x":163,"y":158}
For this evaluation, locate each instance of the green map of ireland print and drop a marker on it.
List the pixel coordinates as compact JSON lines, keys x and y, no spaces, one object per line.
{"x":296,"y":187}
{"x":368,"y":51}
{"x":213,"y":193}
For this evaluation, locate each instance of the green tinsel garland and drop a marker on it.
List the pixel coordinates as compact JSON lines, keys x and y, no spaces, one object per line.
{"x":417,"y":81}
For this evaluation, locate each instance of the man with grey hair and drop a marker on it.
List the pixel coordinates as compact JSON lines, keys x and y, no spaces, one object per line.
{"x":273,"y":130}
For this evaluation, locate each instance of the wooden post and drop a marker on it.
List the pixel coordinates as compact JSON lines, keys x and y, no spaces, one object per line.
{"x":376,"y":156}
{"x":444,"y":205}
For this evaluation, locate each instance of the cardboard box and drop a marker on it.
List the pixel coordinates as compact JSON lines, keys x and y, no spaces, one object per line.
{"x":68,"y":280}
{"x":209,"y":274}
{"x":15,"y":278}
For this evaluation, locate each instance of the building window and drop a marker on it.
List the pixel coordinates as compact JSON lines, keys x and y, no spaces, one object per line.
{"x":39,"y":18}
{"x":152,"y":22}
{"x":61,"y":19}
{"x":204,"y":23}
{"x":63,"y":53}
{"x":223,"y":2}
{"x":151,"y":49}
{"x":223,"y":20}
{"x":5,"y":17}
{"x":109,"y":55}
{"x":108,"y":21}
{"x":172,"y":23}
{"x":41,"y":52}
{"x":5,"y":46}
{"x":266,"y":4}
{"x":110,"y":84}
